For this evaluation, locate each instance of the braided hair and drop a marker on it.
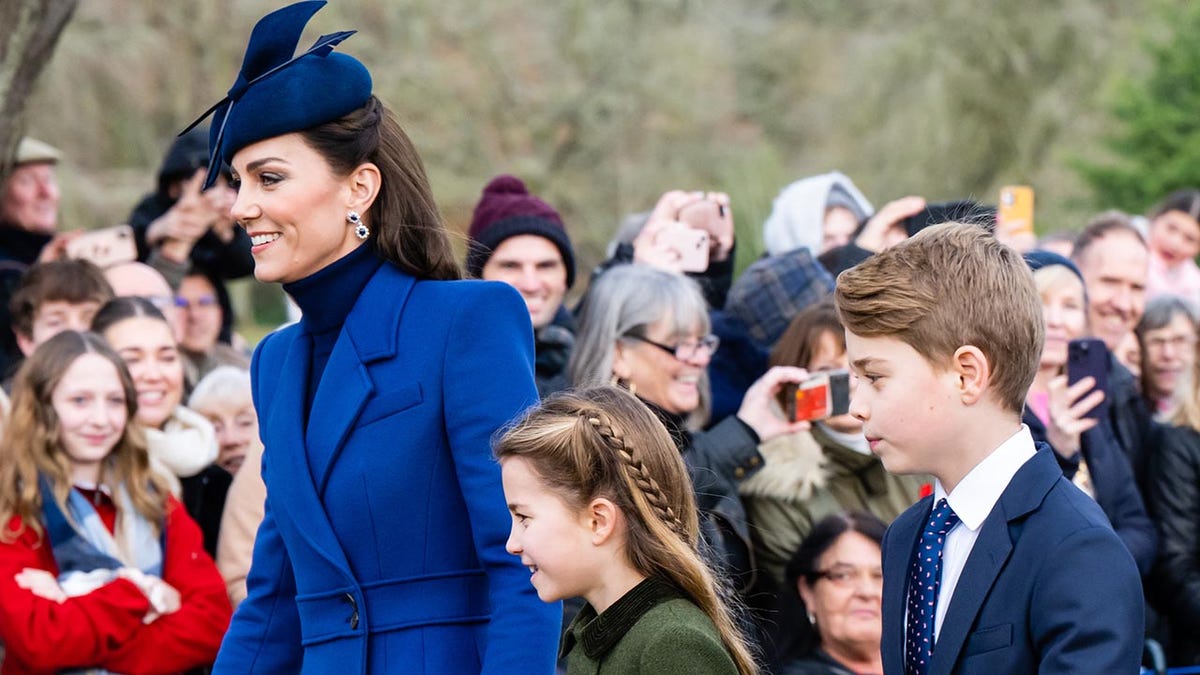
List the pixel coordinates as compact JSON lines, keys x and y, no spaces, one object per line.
{"x":603,"y":442}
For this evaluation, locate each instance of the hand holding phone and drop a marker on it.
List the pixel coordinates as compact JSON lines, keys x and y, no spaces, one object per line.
{"x":687,"y":246}
{"x":104,"y":247}
{"x":710,"y":211}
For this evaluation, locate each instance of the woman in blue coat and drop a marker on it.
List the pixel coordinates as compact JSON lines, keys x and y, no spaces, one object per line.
{"x":382,"y":547}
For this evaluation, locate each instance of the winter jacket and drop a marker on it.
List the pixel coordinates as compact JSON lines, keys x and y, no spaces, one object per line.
{"x":651,"y":630}
{"x":1112,"y":484}
{"x":717,"y":460}
{"x":1175,"y":502}
{"x":104,"y":628}
{"x":808,"y":476}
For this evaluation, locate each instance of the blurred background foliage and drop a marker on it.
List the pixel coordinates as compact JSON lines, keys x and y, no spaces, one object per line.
{"x":602,"y":106}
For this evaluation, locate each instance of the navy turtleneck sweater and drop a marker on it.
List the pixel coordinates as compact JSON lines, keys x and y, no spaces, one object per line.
{"x":326,"y":297}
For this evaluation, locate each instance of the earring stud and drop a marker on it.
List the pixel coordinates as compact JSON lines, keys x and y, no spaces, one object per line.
{"x":360,"y":228}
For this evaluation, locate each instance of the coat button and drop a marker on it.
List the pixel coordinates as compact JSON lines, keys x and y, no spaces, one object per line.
{"x":739,"y":472}
{"x":353,"y":611}
{"x":755,"y":461}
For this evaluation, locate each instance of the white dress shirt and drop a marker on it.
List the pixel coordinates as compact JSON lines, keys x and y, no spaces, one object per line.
{"x":972,"y":500}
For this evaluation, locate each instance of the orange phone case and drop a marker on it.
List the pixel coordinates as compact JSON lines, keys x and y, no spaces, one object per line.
{"x":1016,"y":204}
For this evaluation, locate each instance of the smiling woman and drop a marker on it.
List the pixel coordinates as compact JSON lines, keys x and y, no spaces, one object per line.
{"x":100,"y":567}
{"x":380,"y":401}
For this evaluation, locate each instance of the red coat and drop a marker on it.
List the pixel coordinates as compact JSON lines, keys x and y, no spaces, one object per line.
{"x":104,"y":628}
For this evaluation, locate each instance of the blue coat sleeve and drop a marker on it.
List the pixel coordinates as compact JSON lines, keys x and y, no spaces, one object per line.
{"x":488,"y":382}
{"x":264,"y":636}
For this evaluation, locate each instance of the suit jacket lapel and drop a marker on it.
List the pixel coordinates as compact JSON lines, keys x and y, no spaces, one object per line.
{"x":290,"y":481}
{"x":901,"y":540}
{"x":990,"y":553}
{"x":371,"y":334}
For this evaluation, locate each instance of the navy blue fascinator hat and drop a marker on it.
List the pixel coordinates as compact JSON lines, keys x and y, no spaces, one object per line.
{"x":278,"y":92}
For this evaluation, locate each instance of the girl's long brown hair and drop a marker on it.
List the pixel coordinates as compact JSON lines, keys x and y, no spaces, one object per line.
{"x":31,"y":440}
{"x":603,"y":442}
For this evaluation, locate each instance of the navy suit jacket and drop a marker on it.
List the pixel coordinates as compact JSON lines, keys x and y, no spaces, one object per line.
{"x":1048,"y":586}
{"x":382,"y":547}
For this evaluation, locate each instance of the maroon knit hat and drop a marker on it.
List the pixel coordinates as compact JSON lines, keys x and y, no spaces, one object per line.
{"x":506,"y":209}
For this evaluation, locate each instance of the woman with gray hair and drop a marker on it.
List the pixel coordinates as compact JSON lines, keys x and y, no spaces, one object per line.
{"x":1167,"y":337}
{"x":648,"y":330}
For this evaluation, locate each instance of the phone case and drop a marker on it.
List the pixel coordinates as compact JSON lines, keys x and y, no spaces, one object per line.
{"x":691,"y":245}
{"x":1089,"y":357}
{"x":820,"y":396}
{"x":1016,"y":204}
{"x":105,"y":247}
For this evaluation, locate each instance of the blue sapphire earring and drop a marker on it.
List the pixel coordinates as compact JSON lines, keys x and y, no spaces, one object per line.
{"x":360,"y":228}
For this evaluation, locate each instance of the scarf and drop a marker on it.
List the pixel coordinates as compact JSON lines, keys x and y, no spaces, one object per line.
{"x":84,"y":548}
{"x":88,"y":555}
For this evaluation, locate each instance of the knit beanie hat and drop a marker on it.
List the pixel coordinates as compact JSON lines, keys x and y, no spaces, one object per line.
{"x":506,"y":209}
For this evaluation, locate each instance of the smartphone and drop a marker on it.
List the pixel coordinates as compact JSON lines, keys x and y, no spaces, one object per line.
{"x":1088,"y":357}
{"x":822,"y":395}
{"x":690,"y":243}
{"x":1016,"y":205}
{"x":105,"y":247}
{"x":703,"y":214}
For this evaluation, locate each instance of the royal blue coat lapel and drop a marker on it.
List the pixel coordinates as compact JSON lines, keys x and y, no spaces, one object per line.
{"x":285,"y":449}
{"x":346,"y":383}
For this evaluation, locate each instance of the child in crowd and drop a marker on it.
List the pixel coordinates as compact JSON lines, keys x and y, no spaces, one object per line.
{"x":602,"y":508}
{"x":56,"y":296}
{"x":99,"y":566}
{"x":1007,"y":567}
{"x":1174,"y":243}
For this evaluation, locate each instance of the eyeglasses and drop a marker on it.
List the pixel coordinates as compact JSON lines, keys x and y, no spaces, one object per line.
{"x":1176,"y":342}
{"x":204,"y":301}
{"x":849,"y":577}
{"x":685,"y":351}
{"x":162,"y":302}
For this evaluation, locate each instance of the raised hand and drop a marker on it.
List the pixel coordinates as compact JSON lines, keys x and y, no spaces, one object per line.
{"x":1068,"y":407}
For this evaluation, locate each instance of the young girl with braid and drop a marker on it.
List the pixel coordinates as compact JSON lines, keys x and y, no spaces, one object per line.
{"x":602,"y":508}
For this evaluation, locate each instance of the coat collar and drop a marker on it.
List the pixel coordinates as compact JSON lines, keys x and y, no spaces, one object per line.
{"x":371,"y":333}
{"x":597,"y":635}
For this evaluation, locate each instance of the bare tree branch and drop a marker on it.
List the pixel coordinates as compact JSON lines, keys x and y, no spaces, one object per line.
{"x":31,"y":30}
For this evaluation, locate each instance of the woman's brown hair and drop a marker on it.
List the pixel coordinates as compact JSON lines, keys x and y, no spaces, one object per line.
{"x":603,"y":442}
{"x":31,"y":444}
{"x":406,"y":228}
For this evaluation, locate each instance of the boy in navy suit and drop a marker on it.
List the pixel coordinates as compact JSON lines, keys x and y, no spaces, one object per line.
{"x":1007,"y":567}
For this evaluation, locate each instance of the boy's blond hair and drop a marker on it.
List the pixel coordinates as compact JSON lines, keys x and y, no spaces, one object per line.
{"x":951,"y":285}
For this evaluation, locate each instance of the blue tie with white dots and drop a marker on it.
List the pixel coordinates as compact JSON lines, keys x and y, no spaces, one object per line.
{"x":923,"y":582}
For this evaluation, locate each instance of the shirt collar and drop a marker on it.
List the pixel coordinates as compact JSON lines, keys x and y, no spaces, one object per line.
{"x":977,"y":493}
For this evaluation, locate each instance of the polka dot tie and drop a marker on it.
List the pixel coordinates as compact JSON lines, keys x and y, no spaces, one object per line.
{"x":923,"y":582}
